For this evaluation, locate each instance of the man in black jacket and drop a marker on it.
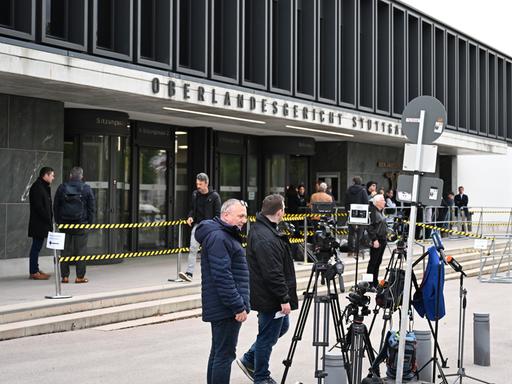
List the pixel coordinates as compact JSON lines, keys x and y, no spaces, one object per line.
{"x":377,"y":231}
{"x":41,"y":219}
{"x":461,"y":202}
{"x":356,"y":194}
{"x":205,"y":206}
{"x":273,"y":287}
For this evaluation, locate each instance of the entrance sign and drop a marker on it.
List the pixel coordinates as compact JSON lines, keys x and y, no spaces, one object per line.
{"x":55,"y":240}
{"x":435,"y":119}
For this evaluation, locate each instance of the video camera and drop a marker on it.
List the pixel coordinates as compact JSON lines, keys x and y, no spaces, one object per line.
{"x":398,"y":230}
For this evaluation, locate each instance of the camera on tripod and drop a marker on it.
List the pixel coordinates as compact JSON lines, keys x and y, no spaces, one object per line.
{"x":398,"y":230}
{"x":358,"y":299}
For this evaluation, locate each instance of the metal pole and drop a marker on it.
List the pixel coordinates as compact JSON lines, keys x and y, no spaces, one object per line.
{"x":56,"y":264}
{"x":410,"y":244}
{"x":305,"y":239}
{"x":178,"y":261}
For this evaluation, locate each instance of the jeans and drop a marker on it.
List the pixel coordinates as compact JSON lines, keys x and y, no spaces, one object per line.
{"x":75,"y":245}
{"x":194,"y":249}
{"x":37,"y":244}
{"x":269,"y":331}
{"x":223,"y":350}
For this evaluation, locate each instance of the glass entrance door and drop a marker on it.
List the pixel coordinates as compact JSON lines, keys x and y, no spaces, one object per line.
{"x":153,"y":196}
{"x":230,"y":176}
{"x":298,"y":170}
{"x":105,"y":160}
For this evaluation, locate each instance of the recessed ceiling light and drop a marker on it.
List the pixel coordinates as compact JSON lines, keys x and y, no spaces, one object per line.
{"x":179,"y":133}
{"x":319,"y":131}
{"x":214,"y":115}
{"x":182,"y":146}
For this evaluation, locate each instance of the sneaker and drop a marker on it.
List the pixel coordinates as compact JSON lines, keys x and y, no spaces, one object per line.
{"x":268,"y":380}
{"x":249,"y":372}
{"x":185,"y":276}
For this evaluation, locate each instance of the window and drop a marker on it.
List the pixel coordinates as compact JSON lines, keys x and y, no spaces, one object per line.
{"x":64,"y":23}
{"x":473,"y":88}
{"x":413,"y":58}
{"x":328,"y":51}
{"x":281,"y":48}
{"x":383,"y":62}
{"x":366,"y":59}
{"x":491,"y":70}
{"x":483,"y":128}
{"x":398,"y":61}
{"x":305,"y":54}
{"x":508,"y":101}
{"x":112,"y":28}
{"x":17,"y":18}
{"x":255,"y":43}
{"x":463,"y":78}
{"x":154,"y":32}
{"x":225,"y":39}
{"x":439,"y":65}
{"x":348,"y":53}
{"x":192,"y":35}
{"x":451,"y":107}
{"x":501,"y":100}
{"x":426,"y":59}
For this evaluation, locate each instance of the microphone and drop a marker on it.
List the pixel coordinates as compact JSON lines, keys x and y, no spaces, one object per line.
{"x":455,"y":264}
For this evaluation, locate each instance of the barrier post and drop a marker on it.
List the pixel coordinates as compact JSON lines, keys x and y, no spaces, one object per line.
{"x":178,"y":261}
{"x":56,"y":264}
{"x":305,"y":239}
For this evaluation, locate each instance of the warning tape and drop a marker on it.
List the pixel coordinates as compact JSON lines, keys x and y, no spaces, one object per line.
{"x":462,"y":233}
{"x":497,"y":211}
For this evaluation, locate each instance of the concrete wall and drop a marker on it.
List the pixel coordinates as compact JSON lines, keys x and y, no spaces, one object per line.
{"x":31,"y":136}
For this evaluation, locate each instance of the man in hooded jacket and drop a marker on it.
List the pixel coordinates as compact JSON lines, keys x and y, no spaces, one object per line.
{"x":224,"y":285}
{"x":356,"y":194}
{"x":273,"y":287}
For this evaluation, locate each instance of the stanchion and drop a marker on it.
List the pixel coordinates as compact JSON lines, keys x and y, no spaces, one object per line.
{"x":178,"y":261}
{"x":305,"y":239}
{"x":56,"y":245}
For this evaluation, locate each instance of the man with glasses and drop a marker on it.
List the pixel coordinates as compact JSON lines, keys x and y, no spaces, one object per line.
{"x":205,"y":206}
{"x":273,"y":287}
{"x":224,"y":285}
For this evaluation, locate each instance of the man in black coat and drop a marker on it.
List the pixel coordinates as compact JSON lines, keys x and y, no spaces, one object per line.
{"x":377,"y":231}
{"x":41,"y":219}
{"x":273,"y":287}
{"x":461,"y":201}
{"x":205,"y":206}
{"x":356,"y":194}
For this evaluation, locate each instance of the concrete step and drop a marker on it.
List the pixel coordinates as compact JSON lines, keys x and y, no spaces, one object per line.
{"x":157,"y":304}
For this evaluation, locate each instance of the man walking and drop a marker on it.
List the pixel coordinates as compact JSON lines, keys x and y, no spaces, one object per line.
{"x":377,"y":231}
{"x":41,"y":219}
{"x":273,"y":287}
{"x":205,"y":206}
{"x":74,"y":204}
{"x":224,"y":285}
{"x":356,"y":194}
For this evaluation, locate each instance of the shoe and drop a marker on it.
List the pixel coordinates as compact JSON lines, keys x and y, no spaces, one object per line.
{"x":249,"y":372}
{"x":65,"y":280}
{"x":185,"y":276}
{"x":81,"y":280}
{"x":39,"y":276}
{"x":268,"y":380}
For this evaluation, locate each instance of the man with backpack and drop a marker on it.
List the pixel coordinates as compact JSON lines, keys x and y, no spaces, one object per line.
{"x":74,"y":204}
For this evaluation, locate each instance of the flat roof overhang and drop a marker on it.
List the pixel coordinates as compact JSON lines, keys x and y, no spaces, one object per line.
{"x":185,"y":101}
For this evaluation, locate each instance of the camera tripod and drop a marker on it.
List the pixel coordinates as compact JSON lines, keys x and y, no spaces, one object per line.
{"x":325,"y":305}
{"x":358,"y":340}
{"x":461,"y":372}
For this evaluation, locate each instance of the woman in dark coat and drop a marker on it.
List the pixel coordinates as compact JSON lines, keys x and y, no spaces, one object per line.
{"x":41,"y":218}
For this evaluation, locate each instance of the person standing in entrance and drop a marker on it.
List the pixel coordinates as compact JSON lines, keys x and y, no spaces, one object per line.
{"x":224,"y":285}
{"x":356,"y":194}
{"x":74,"y":204}
{"x":41,"y":219}
{"x":205,"y":206}
{"x":377,"y":231}
{"x":273,"y":287}
{"x":461,"y":201}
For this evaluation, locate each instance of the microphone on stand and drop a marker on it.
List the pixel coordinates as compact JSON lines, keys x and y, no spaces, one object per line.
{"x":455,"y":265}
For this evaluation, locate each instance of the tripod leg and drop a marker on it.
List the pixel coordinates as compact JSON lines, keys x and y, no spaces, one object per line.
{"x":301,"y":321}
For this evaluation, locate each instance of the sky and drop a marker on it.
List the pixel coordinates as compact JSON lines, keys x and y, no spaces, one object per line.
{"x":488,"y":21}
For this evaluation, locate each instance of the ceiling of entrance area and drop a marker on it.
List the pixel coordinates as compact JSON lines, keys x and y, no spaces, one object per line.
{"x":151,"y":109}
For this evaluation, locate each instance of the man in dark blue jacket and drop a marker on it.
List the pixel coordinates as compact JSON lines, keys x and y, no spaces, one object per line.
{"x":273,"y":287}
{"x":74,"y":204}
{"x":224,"y":285}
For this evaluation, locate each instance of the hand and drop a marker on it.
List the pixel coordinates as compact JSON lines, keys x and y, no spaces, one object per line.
{"x":286,"y":309}
{"x":241,"y":317}
{"x":190,"y":220}
{"x":376,"y":244}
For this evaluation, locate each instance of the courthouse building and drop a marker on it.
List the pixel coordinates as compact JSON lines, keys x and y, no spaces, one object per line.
{"x":260,"y":94}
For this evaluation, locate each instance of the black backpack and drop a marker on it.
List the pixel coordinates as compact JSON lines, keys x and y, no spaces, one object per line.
{"x":73,"y":206}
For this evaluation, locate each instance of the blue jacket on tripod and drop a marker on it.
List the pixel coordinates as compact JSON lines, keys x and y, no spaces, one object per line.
{"x":431,"y":288}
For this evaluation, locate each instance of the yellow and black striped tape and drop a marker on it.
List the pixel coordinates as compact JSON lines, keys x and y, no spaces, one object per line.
{"x":123,"y":225}
{"x":461,"y":233}
{"x":124,"y":255}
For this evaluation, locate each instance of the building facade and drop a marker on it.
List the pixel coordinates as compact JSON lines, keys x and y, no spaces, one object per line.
{"x":260,"y":94}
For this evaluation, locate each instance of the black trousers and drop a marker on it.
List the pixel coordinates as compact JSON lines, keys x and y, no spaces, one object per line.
{"x":376,"y":260}
{"x":75,"y":245}
{"x":354,"y":236}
